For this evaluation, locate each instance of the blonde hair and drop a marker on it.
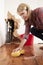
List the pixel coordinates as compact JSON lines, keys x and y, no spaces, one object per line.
{"x":22,"y":7}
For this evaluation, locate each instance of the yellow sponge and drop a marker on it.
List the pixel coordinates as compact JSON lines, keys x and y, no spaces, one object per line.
{"x":22,"y":51}
{"x":17,"y":53}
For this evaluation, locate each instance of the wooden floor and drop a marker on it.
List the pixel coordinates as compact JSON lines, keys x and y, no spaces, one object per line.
{"x":33,"y":55}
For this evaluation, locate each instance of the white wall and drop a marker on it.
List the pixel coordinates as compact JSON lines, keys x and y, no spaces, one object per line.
{"x":2,"y":23}
{"x":11,"y":5}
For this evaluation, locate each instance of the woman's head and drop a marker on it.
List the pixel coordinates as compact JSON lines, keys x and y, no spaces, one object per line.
{"x":24,"y":11}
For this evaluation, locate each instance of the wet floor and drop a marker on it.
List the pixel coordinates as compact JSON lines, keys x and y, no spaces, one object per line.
{"x":33,"y":55}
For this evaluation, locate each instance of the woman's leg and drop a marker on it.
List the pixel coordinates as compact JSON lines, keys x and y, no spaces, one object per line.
{"x":37,"y":33}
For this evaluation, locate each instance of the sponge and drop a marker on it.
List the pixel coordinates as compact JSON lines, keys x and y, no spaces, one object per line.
{"x":17,"y":53}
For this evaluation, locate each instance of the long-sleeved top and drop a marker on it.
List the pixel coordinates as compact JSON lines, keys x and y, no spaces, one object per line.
{"x":36,"y":20}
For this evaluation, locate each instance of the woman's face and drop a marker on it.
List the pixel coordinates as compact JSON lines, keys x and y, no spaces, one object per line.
{"x":24,"y":14}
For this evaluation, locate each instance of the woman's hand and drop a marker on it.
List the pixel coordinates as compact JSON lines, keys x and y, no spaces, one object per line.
{"x":20,"y":46}
{"x":17,"y":49}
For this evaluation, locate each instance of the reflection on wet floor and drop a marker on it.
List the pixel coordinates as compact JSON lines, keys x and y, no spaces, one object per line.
{"x":33,"y":55}
{"x":41,"y":47}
